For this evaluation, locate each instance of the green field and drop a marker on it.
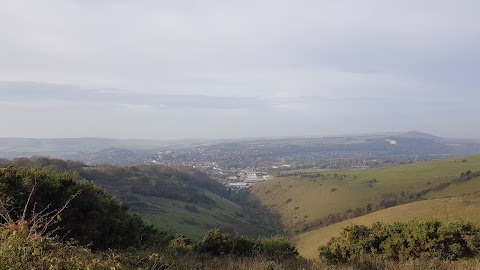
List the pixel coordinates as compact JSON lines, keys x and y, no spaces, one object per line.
{"x":306,"y":198}
{"x":176,"y":216}
{"x":466,"y":208}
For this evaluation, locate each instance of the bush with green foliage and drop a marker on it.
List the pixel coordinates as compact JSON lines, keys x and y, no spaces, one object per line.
{"x":180,"y":244}
{"x":217,"y":243}
{"x":403,"y":241}
{"x":93,"y":218}
{"x":277,"y":247}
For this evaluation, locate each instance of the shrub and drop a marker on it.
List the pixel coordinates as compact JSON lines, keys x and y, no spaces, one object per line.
{"x":242,"y":246}
{"x":215,"y":243}
{"x":403,"y":241}
{"x":180,"y":244}
{"x":93,"y":218}
{"x":277,"y":248}
{"x":20,"y":249}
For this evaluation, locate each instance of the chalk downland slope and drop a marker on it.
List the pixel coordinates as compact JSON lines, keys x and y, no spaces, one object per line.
{"x":178,"y":200}
{"x":465,"y":208}
{"x":307,"y":201}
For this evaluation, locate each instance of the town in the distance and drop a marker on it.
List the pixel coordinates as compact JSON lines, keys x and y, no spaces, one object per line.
{"x":241,"y":163}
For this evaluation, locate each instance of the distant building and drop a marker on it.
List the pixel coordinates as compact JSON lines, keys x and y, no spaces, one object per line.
{"x":253,"y":179}
{"x":238,"y":185}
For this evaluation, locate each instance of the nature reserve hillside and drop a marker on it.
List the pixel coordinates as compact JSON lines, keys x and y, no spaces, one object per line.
{"x":460,"y":208}
{"x":178,"y":199}
{"x":53,"y":220}
{"x":313,"y":199}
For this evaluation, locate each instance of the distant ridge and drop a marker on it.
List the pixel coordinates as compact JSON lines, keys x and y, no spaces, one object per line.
{"x":82,"y":143}
{"x":93,"y":150}
{"x":35,"y":142}
{"x":415,"y":134}
{"x":408,"y":134}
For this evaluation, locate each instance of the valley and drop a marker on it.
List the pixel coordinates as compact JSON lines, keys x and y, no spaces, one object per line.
{"x":309,"y":206}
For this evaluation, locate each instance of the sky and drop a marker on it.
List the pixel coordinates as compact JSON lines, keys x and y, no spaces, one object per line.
{"x":230,"y":69}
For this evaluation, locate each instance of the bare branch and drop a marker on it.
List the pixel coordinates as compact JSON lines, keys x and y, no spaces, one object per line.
{"x":28,"y":200}
{"x":54,"y":216}
{"x":5,"y":214}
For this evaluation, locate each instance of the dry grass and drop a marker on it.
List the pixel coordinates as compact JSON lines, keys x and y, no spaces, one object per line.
{"x":258,"y":263}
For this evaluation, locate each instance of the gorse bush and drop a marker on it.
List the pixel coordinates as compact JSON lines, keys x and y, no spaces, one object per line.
{"x":277,"y":247}
{"x":218,"y":243}
{"x":93,"y":218}
{"x":403,"y":241}
{"x":180,"y":244}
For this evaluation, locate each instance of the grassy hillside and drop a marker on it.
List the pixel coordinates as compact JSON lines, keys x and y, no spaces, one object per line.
{"x":182,"y":200}
{"x":191,"y":219}
{"x":53,"y":220}
{"x":101,"y":222}
{"x":306,"y":200}
{"x":179,"y":200}
{"x":466,"y":208}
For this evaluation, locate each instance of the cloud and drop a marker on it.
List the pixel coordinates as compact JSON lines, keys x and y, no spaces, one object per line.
{"x":269,"y":61}
{"x":30,"y":92}
{"x":213,"y":47}
{"x":141,"y":108}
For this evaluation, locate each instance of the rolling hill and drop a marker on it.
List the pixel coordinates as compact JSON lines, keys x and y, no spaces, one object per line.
{"x":301,"y":152}
{"x":315,"y":199}
{"x":466,"y":208}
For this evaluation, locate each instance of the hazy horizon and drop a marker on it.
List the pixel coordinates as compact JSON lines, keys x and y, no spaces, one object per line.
{"x":239,"y":69}
{"x":311,"y":136}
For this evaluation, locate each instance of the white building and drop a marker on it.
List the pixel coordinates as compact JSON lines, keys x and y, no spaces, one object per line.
{"x":238,"y":185}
